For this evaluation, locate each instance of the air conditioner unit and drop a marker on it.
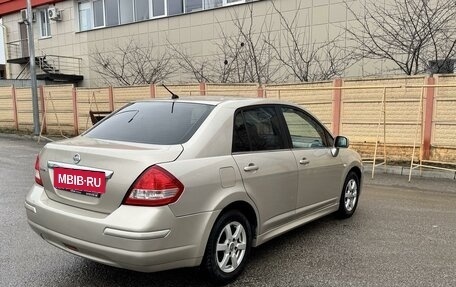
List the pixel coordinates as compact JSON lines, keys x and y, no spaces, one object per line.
{"x":24,"y":15}
{"x":54,"y":14}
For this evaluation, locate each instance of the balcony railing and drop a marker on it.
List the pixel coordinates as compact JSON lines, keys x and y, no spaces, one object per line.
{"x":17,"y":49}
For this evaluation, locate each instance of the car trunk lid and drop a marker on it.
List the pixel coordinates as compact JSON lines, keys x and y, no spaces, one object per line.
{"x":120,"y":163}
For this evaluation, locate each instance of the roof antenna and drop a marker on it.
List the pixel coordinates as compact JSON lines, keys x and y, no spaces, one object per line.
{"x":173,"y":95}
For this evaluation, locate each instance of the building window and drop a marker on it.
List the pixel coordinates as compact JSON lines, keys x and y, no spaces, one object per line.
{"x":112,"y":12}
{"x":85,"y":16}
{"x":208,"y":4}
{"x":158,"y":8}
{"x":141,"y":10}
{"x":193,"y":5}
{"x":101,"y":13}
{"x":98,"y":15}
{"x":45,"y":27}
{"x":175,"y":7}
{"x":232,"y":2}
{"x":126,"y":11}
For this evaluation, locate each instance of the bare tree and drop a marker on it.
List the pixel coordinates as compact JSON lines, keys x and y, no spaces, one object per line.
{"x":242,"y":56}
{"x":132,"y":64}
{"x":199,"y":68}
{"x":252,"y":59}
{"x":409,"y":33}
{"x":306,"y":59}
{"x":226,"y":66}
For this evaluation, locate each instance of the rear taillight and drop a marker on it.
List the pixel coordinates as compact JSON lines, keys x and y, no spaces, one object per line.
{"x":154,"y":187}
{"x":37,"y":171}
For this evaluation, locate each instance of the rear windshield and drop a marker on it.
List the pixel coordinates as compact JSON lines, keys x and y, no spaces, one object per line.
{"x":163,"y":123}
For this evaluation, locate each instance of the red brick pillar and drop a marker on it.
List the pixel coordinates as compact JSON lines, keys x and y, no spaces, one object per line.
{"x":13,"y":97}
{"x":111,"y":98}
{"x":153,"y":90}
{"x":202,"y":88}
{"x":75,"y":111}
{"x":427,"y":121}
{"x":260,"y":92}
{"x":336,"y":106}
{"x":43,"y":108}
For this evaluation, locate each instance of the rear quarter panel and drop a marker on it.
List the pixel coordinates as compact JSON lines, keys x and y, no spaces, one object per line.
{"x":203,"y":189}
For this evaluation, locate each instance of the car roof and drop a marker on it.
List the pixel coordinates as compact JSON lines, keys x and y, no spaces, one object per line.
{"x":226,"y":101}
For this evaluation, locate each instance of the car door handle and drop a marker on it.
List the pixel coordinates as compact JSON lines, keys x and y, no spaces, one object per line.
{"x":251,"y":167}
{"x":304,"y":161}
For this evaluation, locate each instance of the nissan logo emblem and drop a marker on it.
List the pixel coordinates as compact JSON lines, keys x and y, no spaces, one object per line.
{"x":76,"y":158}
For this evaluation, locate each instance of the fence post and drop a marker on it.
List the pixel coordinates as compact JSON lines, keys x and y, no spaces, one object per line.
{"x":111,"y":98}
{"x":43,"y":108}
{"x":75,"y":111}
{"x":153,"y":90}
{"x":13,"y":96}
{"x":202,"y":88}
{"x":427,"y":130}
{"x":336,"y":106}
{"x":260,"y":92}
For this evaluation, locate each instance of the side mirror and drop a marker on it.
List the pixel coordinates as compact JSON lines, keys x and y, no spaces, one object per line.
{"x":341,"y":142}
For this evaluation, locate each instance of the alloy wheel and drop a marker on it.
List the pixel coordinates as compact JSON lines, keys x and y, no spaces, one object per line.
{"x":231,"y":247}
{"x":351,"y":194}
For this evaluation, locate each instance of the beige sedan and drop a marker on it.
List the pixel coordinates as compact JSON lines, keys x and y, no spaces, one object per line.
{"x":164,"y":184}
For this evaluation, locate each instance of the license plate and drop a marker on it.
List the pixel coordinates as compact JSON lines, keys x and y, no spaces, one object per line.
{"x":87,"y":182}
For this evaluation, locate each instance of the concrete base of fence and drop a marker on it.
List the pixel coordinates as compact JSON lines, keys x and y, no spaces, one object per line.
{"x":403,"y":170}
{"x":403,"y":153}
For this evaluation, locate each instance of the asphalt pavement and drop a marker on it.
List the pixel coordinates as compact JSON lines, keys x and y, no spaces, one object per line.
{"x":403,"y":234}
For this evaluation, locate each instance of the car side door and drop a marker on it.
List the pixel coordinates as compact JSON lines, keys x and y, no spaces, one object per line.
{"x":319,"y":172}
{"x":267,"y":167}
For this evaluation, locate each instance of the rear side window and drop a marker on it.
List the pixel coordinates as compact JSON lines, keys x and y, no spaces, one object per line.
{"x":257,"y":129}
{"x":163,"y":123}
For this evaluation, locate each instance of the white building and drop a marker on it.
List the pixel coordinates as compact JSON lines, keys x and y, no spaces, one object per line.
{"x":68,"y":34}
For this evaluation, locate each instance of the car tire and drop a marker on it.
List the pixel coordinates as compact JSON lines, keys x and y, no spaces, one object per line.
{"x":350,"y":196}
{"x":228,"y":247}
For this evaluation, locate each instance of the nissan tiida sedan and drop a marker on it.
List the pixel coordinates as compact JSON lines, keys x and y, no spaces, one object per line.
{"x":165,"y":184}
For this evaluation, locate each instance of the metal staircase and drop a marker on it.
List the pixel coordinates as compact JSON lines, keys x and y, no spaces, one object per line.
{"x":59,"y":68}
{"x":51,"y":68}
{"x":44,"y":65}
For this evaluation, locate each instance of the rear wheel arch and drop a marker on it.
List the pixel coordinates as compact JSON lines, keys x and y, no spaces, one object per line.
{"x":248,"y":211}
{"x":228,"y":246}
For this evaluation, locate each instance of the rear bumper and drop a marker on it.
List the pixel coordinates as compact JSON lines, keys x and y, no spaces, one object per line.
{"x":144,"y":239}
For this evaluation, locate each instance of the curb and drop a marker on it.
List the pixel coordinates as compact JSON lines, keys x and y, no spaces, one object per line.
{"x":28,"y":137}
